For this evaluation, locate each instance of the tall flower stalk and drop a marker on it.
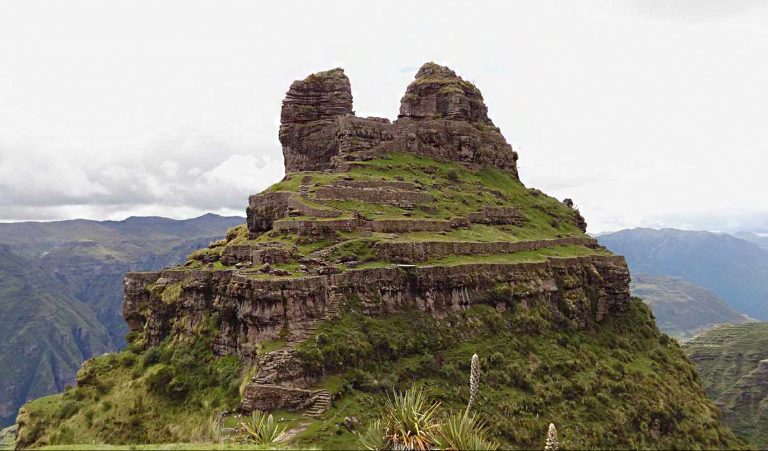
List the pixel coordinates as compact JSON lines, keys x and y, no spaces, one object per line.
{"x":474,"y":383}
{"x":552,"y":443}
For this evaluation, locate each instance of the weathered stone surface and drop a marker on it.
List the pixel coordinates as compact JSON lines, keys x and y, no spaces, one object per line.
{"x":270,"y":397}
{"x":308,"y":121}
{"x":373,"y":195}
{"x":497,"y":216}
{"x":265,"y":208}
{"x":420,"y":251}
{"x":438,"y":93}
{"x":251,"y":310}
{"x":441,"y":116}
{"x":329,"y":227}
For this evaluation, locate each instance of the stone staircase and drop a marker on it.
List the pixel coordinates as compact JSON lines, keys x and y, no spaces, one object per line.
{"x":332,"y":310}
{"x":282,"y":362}
{"x":320,"y":403}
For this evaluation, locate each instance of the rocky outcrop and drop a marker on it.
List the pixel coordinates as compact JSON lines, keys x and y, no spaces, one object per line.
{"x":308,"y":121}
{"x":438,"y":93}
{"x":441,"y":115}
{"x":368,"y":229}
{"x":251,"y":310}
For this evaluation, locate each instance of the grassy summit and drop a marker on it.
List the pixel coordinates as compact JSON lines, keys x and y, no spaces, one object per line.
{"x":456,"y":192}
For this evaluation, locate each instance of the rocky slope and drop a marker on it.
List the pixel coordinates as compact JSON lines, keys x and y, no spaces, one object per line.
{"x":734,"y":269}
{"x":681,"y":308}
{"x":390,"y":253}
{"x":733,"y":364}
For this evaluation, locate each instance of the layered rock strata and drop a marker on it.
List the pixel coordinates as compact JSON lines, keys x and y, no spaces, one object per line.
{"x":457,"y":231}
{"x":441,"y":116}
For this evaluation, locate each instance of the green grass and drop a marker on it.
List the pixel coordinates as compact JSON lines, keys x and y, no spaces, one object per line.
{"x":468,"y":192}
{"x":163,"y":395}
{"x":603,"y":388}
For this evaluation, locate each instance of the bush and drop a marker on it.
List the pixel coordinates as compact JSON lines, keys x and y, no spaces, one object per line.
{"x":67,"y":409}
{"x":260,"y":429}
{"x":152,"y":356}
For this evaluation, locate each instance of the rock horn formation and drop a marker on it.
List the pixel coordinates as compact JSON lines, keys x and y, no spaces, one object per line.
{"x":391,"y":251}
{"x":441,"y":116}
{"x":344,"y":198}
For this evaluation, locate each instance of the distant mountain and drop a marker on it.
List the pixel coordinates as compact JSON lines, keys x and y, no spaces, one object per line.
{"x":732,"y":362}
{"x":732,"y":268}
{"x":682,"y":309}
{"x":61,"y":291}
{"x":45,"y":333}
{"x":760,"y":240}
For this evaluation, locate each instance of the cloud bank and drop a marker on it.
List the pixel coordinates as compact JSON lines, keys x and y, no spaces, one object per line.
{"x":646,"y":113}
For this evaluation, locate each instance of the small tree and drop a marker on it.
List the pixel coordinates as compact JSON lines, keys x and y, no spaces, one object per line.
{"x":552,"y":443}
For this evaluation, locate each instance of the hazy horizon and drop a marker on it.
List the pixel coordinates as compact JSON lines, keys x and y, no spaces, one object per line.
{"x":648,"y":113}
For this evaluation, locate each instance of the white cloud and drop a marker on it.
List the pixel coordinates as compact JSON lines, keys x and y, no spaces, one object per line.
{"x":645,"y":112}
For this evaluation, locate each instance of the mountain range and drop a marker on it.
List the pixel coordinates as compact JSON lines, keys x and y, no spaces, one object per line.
{"x":734,"y":269}
{"x":682,"y":309}
{"x":62,"y":290}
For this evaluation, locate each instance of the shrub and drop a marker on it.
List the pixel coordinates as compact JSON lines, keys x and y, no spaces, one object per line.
{"x":67,"y":409}
{"x":374,"y":437}
{"x":409,"y":420}
{"x":260,"y":429}
{"x":460,"y":431}
{"x":151,"y":357}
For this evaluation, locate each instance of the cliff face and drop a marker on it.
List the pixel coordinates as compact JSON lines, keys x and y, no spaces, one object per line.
{"x":389,"y":251}
{"x":441,"y":116}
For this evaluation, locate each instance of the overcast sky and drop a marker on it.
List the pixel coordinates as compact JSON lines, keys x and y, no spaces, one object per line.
{"x":645,"y":112}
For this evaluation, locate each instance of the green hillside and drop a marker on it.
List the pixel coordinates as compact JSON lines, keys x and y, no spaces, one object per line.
{"x":681,"y":308}
{"x":61,"y":291}
{"x":45,"y":335}
{"x":617,"y":383}
{"x":732,"y":362}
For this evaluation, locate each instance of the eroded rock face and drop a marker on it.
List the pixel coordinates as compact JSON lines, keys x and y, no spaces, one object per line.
{"x":583,"y":289}
{"x":308,"y":121}
{"x":438,"y":93}
{"x":441,"y":116}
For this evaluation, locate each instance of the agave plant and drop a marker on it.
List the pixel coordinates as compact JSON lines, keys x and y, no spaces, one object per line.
{"x":463,"y":431}
{"x":374,"y":437}
{"x":260,"y":429}
{"x":409,"y":420}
